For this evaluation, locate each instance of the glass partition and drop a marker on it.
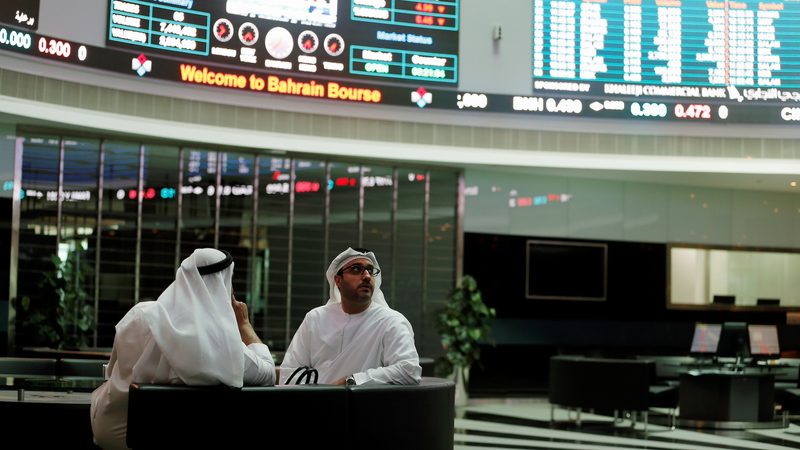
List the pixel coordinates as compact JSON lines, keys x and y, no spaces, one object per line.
{"x":38,"y":228}
{"x":733,"y":277}
{"x":159,"y":220}
{"x":271,"y":270}
{"x":308,"y":241}
{"x":129,"y":211}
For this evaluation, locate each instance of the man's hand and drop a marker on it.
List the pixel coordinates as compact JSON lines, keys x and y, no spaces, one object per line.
{"x":246,"y":330}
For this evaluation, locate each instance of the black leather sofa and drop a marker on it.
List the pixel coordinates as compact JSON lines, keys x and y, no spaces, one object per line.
{"x":602,"y":385}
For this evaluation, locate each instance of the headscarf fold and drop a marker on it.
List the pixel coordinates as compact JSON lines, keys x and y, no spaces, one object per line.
{"x":344,"y":258}
{"x":194,"y":324}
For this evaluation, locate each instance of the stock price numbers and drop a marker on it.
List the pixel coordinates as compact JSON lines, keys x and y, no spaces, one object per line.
{"x":693,"y":111}
{"x":55,"y":47}
{"x":13,"y":38}
{"x":59,"y":48}
{"x":648,"y":109}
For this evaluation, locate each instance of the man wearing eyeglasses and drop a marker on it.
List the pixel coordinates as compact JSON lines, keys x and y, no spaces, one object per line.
{"x":355,"y":338}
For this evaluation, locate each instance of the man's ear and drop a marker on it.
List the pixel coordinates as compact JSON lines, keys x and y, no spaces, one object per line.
{"x":337,"y":279}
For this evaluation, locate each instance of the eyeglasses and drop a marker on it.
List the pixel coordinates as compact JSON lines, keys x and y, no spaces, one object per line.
{"x":358,"y":269}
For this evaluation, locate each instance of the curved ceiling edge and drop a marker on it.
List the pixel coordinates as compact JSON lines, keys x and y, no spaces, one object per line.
{"x":61,"y":116}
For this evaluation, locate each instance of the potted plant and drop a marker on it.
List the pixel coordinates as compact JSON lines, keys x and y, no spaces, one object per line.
{"x":61,"y":316}
{"x":463,"y":323}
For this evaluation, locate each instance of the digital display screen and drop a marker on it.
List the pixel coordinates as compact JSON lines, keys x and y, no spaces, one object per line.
{"x":566,"y":270}
{"x":687,"y":60}
{"x":21,"y":13}
{"x":396,"y":40}
{"x":763,"y":340}
{"x":401,"y":53}
{"x":706,"y":338}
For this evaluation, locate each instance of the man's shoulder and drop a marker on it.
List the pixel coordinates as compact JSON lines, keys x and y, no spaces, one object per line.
{"x":322,"y":310}
{"x":136,"y":312}
{"x":389,"y":314}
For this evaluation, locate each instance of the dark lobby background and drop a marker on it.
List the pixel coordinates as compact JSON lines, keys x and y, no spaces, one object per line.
{"x":633,"y":320}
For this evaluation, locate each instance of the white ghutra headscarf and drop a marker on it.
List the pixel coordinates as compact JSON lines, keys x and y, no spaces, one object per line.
{"x":344,"y":258}
{"x":193,"y":322}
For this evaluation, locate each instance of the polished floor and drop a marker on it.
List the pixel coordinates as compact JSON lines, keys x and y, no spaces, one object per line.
{"x":521,"y":423}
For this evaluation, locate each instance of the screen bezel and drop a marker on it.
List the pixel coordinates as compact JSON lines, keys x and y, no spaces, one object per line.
{"x":528,"y":253}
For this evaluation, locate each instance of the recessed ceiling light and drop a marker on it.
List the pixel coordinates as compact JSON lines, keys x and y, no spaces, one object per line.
{"x":793,"y":183}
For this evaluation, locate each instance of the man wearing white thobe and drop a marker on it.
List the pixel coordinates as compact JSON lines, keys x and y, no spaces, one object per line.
{"x":355,"y":338}
{"x":196,"y":333}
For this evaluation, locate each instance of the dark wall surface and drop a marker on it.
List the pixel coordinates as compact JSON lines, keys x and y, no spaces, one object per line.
{"x":633,"y":320}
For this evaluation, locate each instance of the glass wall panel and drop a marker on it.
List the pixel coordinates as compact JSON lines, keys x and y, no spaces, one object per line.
{"x":272,"y":256}
{"x":116,"y":294}
{"x":378,"y":186}
{"x":37,"y":230}
{"x":343,"y":210}
{"x":78,"y":239}
{"x":236,"y":217}
{"x":441,"y":253}
{"x":199,"y":200}
{"x":728,"y":278}
{"x":308,"y":257}
{"x":159,"y":220}
{"x":333,"y":206}
{"x":8,"y":142}
{"x":407,"y":288}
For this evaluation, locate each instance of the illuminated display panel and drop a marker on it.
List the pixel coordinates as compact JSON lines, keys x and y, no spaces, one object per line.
{"x":684,"y":60}
{"x":763,"y":340}
{"x":398,"y":40}
{"x":705,"y":339}
{"x":562,"y":97}
{"x":21,"y":13}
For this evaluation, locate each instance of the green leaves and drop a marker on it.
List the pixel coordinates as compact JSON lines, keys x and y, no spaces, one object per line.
{"x":61,"y":315}
{"x":462,"y":324}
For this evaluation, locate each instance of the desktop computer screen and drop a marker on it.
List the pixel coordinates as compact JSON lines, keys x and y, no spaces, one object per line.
{"x":763,"y":341}
{"x":705,"y":339}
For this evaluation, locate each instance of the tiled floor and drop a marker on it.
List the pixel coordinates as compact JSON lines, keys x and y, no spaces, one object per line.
{"x":525,"y":424}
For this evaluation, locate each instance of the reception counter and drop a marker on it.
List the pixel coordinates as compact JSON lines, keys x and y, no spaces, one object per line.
{"x":727,"y":400}
{"x":389,"y":417}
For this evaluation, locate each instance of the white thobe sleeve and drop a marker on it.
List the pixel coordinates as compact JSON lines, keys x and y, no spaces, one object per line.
{"x":400,"y":359}
{"x":259,"y":368}
{"x":297,"y":355}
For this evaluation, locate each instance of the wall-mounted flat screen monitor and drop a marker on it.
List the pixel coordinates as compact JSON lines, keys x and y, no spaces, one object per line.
{"x":733,"y":341}
{"x":562,"y":270}
{"x":411,"y":43}
{"x":706,"y":338}
{"x":763,"y":341}
{"x":689,"y":61}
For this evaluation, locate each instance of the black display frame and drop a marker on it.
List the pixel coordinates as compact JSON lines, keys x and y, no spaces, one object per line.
{"x":560,"y":257}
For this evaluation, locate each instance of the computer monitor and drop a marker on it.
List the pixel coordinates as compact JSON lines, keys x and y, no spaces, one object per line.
{"x":706,"y":339}
{"x":764,"y":341}
{"x":733,"y":341}
{"x":768,"y":302}
{"x":724,"y":299}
